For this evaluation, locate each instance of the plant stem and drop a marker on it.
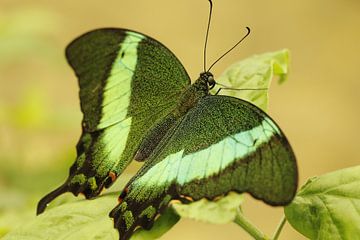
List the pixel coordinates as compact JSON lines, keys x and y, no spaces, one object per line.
{"x":249,"y":227}
{"x":279,"y":228}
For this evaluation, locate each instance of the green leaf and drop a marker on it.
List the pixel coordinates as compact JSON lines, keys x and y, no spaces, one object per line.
{"x":219,"y":211}
{"x":328,"y":207}
{"x":255,"y":72}
{"x":76,"y":220}
{"x":85,"y":219}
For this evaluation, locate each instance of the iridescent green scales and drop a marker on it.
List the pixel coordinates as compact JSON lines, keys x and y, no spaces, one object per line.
{"x":138,"y":103}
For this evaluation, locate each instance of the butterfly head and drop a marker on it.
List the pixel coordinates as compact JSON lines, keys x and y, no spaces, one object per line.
{"x":208,"y":78}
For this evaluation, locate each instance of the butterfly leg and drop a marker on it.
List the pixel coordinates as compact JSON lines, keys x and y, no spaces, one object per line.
{"x":217,"y":92}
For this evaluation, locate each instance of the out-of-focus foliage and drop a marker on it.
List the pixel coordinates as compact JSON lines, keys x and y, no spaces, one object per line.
{"x":27,"y":119}
{"x":24,"y":33}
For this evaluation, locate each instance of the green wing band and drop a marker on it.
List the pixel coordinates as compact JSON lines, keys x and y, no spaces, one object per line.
{"x":128,"y":83}
{"x":117,"y":90}
{"x":223,"y":144}
{"x":92,"y":56}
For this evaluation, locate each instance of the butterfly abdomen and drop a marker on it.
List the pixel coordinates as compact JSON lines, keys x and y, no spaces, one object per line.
{"x":152,"y":139}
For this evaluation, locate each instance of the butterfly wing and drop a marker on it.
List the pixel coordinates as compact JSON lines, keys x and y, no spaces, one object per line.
{"x":223,"y":144}
{"x":128,"y":83}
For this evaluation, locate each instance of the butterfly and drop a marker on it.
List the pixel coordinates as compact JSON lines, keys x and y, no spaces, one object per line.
{"x":138,"y":103}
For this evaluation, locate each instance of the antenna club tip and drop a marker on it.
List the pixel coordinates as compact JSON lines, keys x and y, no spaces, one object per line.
{"x":248,"y":28}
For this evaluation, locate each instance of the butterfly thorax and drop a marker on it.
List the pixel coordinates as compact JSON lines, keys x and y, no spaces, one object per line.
{"x":195,"y":92}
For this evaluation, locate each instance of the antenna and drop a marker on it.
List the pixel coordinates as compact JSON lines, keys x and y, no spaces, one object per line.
{"x":207,"y":33}
{"x":224,"y":87}
{"x":247,"y":34}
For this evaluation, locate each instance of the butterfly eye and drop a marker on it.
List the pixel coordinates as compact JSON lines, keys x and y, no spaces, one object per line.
{"x":211,"y":82}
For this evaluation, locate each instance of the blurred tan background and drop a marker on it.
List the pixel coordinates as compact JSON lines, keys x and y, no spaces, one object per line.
{"x":318,"y":108}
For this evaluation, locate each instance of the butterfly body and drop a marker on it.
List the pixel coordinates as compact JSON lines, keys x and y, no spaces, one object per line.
{"x":189,"y":98}
{"x":139,"y":103}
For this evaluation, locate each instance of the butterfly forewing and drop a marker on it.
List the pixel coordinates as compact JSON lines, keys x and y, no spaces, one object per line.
{"x":128,"y":83}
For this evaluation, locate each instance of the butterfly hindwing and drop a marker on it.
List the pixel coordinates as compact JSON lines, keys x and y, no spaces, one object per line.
{"x":223,"y":144}
{"x":128,"y":83}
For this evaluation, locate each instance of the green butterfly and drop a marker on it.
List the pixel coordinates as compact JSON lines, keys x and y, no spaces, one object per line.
{"x":138,"y":103}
